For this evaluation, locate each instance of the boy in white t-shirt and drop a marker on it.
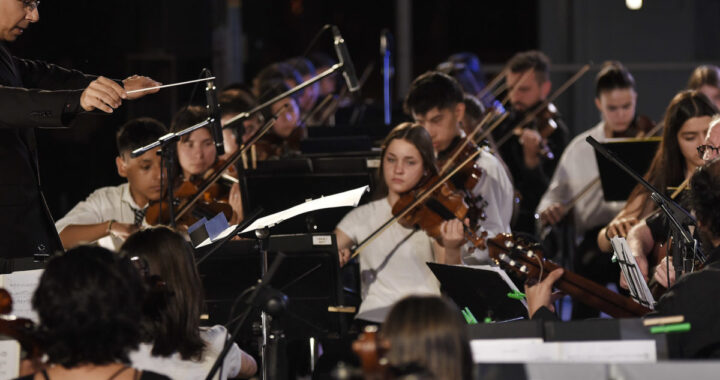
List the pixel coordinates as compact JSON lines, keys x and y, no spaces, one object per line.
{"x":110,"y":214}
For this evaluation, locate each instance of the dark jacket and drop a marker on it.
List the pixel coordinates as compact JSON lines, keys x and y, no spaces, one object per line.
{"x":32,"y":94}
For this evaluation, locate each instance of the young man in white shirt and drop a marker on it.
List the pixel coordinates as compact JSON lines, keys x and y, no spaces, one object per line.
{"x":110,"y":214}
{"x":435,"y":101}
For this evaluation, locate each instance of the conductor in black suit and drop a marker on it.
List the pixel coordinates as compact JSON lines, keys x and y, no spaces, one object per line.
{"x":36,"y":94}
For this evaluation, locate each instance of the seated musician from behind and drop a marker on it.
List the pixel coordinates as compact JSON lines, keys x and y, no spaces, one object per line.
{"x":693,"y":296}
{"x":706,"y":79}
{"x":393,"y":265}
{"x":615,"y":98}
{"x":174,"y":344}
{"x":89,"y":301}
{"x":197,"y":155}
{"x":427,"y":337}
{"x":283,"y":139}
{"x":110,"y":214}
{"x":686,"y":123}
{"x":435,"y":101}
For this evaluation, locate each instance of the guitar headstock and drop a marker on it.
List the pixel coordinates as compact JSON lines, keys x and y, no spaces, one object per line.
{"x":518,"y":255}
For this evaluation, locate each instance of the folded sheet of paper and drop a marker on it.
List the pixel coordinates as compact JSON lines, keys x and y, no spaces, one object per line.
{"x":639,"y":290}
{"x":349,"y":198}
{"x":9,"y":359}
{"x":535,"y":350}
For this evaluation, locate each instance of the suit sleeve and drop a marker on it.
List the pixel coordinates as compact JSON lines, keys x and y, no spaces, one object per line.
{"x":50,"y":96}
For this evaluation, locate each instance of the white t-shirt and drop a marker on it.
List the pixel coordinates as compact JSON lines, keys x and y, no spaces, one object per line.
{"x":102,"y":205}
{"x":176,"y":368}
{"x":497,"y":190}
{"x":575,"y":170}
{"x":404,"y":273}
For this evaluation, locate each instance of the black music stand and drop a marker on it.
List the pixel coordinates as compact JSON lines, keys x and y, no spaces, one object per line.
{"x":483,"y":291}
{"x":637,"y":153}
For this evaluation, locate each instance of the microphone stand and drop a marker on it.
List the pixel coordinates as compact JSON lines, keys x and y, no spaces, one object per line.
{"x":680,"y":219}
{"x":244,"y":115}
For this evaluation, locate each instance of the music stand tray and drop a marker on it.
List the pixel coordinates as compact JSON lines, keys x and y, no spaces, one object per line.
{"x":482,"y":288}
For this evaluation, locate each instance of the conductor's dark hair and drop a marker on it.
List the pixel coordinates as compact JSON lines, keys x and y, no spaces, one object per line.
{"x":89,"y":305}
{"x":613,"y":76}
{"x":137,"y":133}
{"x":531,"y":59}
{"x":432,"y":89}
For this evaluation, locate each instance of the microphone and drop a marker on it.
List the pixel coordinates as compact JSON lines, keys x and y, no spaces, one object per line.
{"x":344,"y":56}
{"x":214,"y":115}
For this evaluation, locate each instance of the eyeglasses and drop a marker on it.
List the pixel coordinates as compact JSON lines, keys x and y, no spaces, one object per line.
{"x":702,"y":149}
{"x":30,"y":5}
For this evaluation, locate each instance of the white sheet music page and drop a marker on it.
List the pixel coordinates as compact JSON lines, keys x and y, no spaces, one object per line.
{"x":349,"y":198}
{"x":22,"y":285}
{"x":9,"y":359}
{"x":639,"y":290}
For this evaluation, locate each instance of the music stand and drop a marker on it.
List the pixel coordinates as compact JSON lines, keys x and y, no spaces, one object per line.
{"x":482,"y":289}
{"x":637,"y":153}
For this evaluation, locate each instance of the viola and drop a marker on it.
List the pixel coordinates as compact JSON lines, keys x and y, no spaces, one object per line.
{"x":371,"y":349}
{"x":526,"y":259}
{"x":641,"y":126}
{"x":272,"y":146}
{"x":467,"y":178}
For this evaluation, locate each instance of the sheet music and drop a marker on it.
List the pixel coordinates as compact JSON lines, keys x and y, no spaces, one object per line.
{"x":528,"y":350}
{"x":349,"y":198}
{"x":639,"y":290}
{"x":22,"y":285}
{"x":9,"y":359}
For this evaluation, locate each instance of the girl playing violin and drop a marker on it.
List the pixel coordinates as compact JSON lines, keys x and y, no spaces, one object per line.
{"x":197,"y":155}
{"x":393,"y":265}
{"x":686,"y":123}
{"x":284,"y":137}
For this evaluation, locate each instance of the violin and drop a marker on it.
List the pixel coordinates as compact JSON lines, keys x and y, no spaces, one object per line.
{"x":442,"y":202}
{"x":21,"y":329}
{"x":371,"y":349}
{"x":641,"y":126}
{"x":272,"y":146}
{"x":211,"y":199}
{"x":526,"y":259}
{"x":467,"y":178}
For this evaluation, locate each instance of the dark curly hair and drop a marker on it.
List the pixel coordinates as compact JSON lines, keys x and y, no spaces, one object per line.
{"x":705,"y":196}
{"x":89,"y":304}
{"x":430,"y":90}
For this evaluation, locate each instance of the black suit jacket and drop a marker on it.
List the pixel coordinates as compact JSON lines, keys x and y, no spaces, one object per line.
{"x":32,"y":94}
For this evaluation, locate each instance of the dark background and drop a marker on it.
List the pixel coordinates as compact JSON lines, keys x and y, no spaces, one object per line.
{"x":174,"y":40}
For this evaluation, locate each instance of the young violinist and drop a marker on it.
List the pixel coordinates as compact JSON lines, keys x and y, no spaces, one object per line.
{"x":392,"y":266}
{"x":529,"y":80}
{"x":435,"y":101}
{"x":110,"y":214}
{"x":615,"y":98}
{"x":283,"y":139}
{"x":693,"y":296}
{"x":309,"y":96}
{"x":686,"y":122}
{"x":233,"y":102}
{"x":643,"y":237}
{"x":197,"y":155}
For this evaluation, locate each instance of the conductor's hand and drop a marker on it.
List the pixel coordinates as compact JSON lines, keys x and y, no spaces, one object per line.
{"x":343,"y":256}
{"x":540,"y":294}
{"x":553,"y":214}
{"x":103,"y":94}
{"x":137,"y":82}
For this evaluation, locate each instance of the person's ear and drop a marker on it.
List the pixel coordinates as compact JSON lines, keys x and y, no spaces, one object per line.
{"x":598,"y":104}
{"x":545,"y":88}
{"x":459,"y":111}
{"x":121,"y":166}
